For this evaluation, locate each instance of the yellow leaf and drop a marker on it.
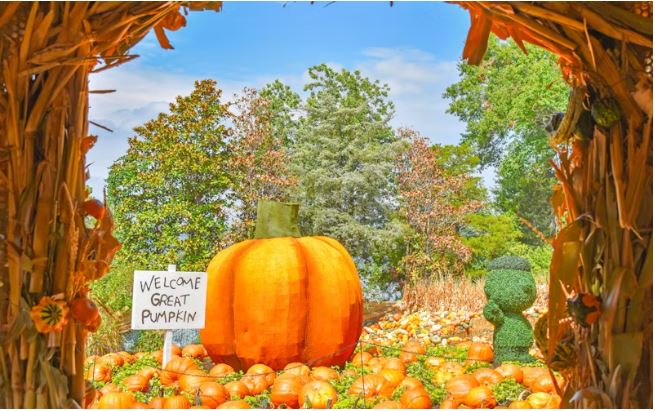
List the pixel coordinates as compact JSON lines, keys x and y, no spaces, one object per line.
{"x":563,"y":272}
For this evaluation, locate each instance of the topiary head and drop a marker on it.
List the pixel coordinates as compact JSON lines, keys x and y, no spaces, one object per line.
{"x":509,"y":262}
{"x":512,"y":290}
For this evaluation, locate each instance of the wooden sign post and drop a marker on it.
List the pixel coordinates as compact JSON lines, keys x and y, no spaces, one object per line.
{"x":168,"y":300}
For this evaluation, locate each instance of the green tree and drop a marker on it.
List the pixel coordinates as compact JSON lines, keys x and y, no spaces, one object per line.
{"x":343,"y":160}
{"x":461,"y":160}
{"x":284,"y":106}
{"x":168,"y":197}
{"x":488,"y":236}
{"x":168,"y":192}
{"x":504,"y":103}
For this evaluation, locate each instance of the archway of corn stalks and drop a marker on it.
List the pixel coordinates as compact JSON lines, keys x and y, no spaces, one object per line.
{"x":48,"y":255}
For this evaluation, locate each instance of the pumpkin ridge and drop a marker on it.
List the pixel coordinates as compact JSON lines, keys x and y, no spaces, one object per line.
{"x":354,"y":283}
{"x":232,"y":272}
{"x":229,"y":260}
{"x":303,"y":261}
{"x":333,"y":272}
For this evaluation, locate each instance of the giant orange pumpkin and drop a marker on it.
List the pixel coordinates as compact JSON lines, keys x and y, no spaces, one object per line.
{"x":282,"y":298}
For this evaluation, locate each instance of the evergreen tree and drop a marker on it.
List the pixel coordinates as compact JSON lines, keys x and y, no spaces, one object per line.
{"x":343,"y":160}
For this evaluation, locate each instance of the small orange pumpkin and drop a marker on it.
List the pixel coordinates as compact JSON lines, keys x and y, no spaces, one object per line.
{"x":84,"y":310}
{"x":109,"y":388}
{"x":126,"y":356}
{"x":458,"y":387}
{"x":487,"y":376}
{"x":410,"y":382}
{"x":361,"y":358}
{"x":480,"y":397}
{"x":194,"y":351}
{"x":112,"y":360}
{"x":297,"y":368}
{"x":325,"y":374}
{"x":141,"y":406}
{"x":120,"y":400}
{"x":285,"y":391}
{"x":480,"y":352}
{"x":177,"y":402}
{"x":375,"y":364}
{"x":148,"y":372}
{"x":176,"y":350}
{"x":394,"y":377}
{"x":176,"y":367}
{"x":212,"y":394}
{"x":543,"y":383}
{"x":371,"y":386}
{"x":221,"y":370}
{"x":388,"y":405}
{"x":539,"y":400}
{"x":237,"y":389}
{"x":512,"y":371}
{"x":256,"y":384}
{"x":136,"y":383}
{"x":519,"y":405}
{"x":98,"y":372}
{"x":264,"y":371}
{"x":417,"y":398}
{"x":531,"y":374}
{"x":239,"y":404}
{"x":317,"y":395}
{"x":191,"y":380}
{"x":49,"y":315}
{"x":395,"y":364}
{"x":410,"y":351}
{"x":449,"y":403}
{"x":157,"y":402}
{"x":158,"y":356}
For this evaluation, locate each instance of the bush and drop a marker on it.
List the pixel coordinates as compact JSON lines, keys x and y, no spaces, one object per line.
{"x":539,"y":258}
{"x":509,"y":262}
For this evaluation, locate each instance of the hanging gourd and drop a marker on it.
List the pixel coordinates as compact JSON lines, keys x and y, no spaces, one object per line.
{"x":282,"y":298}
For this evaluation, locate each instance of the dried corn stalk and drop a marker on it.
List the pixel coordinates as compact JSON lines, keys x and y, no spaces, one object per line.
{"x":47,"y":50}
{"x":605,"y":185}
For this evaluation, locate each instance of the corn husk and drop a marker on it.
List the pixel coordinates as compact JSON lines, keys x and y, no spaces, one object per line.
{"x":604,"y":194}
{"x":47,"y":51}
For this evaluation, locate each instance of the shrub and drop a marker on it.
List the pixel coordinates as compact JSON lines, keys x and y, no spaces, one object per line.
{"x":509,"y":292}
{"x":509,"y":262}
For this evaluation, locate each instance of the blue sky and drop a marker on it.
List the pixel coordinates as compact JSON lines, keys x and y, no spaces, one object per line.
{"x":413,"y":46}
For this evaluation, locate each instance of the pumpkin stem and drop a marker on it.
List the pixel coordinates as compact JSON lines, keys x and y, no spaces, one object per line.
{"x":275,"y":219}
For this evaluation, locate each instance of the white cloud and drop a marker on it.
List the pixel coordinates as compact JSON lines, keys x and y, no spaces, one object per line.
{"x":140,"y":95}
{"x":416,"y":81}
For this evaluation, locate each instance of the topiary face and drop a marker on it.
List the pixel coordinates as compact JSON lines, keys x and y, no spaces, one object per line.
{"x":513,"y":290}
{"x":509,"y":262}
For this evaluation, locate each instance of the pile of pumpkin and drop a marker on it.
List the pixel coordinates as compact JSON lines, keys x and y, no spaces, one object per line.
{"x":411,"y":376}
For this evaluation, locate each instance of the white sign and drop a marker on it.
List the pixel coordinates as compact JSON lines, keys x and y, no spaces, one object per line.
{"x":168,"y":300}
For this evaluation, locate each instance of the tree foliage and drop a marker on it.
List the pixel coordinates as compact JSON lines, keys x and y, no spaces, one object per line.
{"x":504,"y":103}
{"x":343,"y":159}
{"x":168,"y":191}
{"x":432,"y":205}
{"x":258,"y":159}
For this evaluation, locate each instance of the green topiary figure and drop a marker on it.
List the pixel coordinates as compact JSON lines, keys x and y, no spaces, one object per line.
{"x":509,"y":292}
{"x":510,"y":262}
